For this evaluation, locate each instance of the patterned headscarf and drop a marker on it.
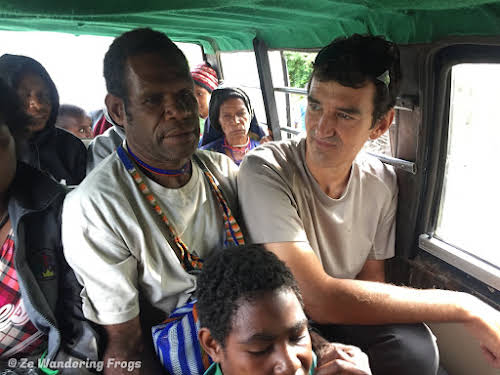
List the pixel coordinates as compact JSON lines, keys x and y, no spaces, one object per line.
{"x":205,"y":76}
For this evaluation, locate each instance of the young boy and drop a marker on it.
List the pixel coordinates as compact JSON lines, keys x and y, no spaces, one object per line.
{"x":252,"y":319}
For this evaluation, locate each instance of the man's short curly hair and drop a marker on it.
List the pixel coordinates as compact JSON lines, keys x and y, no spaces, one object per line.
{"x":133,"y":43}
{"x":232,"y":276}
{"x":359,"y":59}
{"x":11,"y":112}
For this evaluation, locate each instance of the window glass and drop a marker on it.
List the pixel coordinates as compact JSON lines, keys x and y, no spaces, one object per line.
{"x":75,"y":63}
{"x":299,"y":67}
{"x":470,"y":203}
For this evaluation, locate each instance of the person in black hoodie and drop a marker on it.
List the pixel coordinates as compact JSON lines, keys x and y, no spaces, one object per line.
{"x":50,"y":149}
{"x":41,"y":318}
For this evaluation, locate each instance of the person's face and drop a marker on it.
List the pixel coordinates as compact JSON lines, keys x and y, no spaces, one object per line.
{"x":7,"y":158}
{"x":203,"y":98}
{"x":161,"y":121}
{"x":80,"y":127}
{"x":35,"y":96}
{"x":268,"y":336}
{"x":234,"y":119}
{"x":339,"y":122}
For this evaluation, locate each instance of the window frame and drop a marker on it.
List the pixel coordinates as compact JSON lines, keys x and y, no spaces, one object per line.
{"x":439,"y":69}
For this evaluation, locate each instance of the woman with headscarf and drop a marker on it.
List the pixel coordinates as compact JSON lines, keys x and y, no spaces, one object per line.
{"x":49,"y":149}
{"x":230,"y":113}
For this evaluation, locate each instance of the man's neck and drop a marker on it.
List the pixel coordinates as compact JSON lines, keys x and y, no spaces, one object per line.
{"x":332,"y":180}
{"x":171,"y":182}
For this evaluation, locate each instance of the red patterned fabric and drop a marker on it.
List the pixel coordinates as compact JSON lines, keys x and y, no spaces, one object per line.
{"x":101,"y":126}
{"x":17,"y":334}
{"x":205,"y":76}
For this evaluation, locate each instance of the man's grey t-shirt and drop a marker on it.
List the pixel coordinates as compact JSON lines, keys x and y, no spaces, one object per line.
{"x":282,"y":202}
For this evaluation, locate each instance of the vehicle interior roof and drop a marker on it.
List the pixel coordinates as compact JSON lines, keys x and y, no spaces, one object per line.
{"x":223,"y":25}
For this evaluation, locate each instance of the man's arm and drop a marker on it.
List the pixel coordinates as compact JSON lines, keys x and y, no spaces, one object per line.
{"x":125,"y":343}
{"x":373,"y":270}
{"x":331,"y":300}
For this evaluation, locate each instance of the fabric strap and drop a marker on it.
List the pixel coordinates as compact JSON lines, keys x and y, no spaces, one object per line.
{"x":189,"y":261}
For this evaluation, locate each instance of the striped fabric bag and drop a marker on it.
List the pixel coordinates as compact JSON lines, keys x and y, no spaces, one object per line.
{"x":176,"y":342}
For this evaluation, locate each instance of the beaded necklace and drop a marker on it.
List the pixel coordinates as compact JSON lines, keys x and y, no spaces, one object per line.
{"x":169,"y":172}
{"x":189,"y":261}
{"x":240,"y":150}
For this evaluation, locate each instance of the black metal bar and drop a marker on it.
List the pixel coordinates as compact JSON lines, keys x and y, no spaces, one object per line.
{"x":266,"y":85}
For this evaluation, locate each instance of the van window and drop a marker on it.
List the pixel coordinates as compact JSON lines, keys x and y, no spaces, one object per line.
{"x":240,"y":70}
{"x":75,"y":63}
{"x":470,"y":202}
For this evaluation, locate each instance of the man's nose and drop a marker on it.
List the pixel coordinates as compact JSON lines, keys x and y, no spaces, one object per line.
{"x":287,"y":361}
{"x":327,"y":125}
{"x":178,"y":108}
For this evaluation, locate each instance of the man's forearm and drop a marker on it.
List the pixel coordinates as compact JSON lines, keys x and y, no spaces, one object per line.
{"x":128,"y":351}
{"x":364,"y":302}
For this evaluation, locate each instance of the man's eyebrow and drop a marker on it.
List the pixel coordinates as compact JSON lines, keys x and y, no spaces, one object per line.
{"x":266,"y":337}
{"x":312,"y":99}
{"x":349,"y":110}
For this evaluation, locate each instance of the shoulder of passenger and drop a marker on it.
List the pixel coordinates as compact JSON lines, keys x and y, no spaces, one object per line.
{"x":220,"y":161}
{"x":101,"y":179}
{"x":68,"y":139}
{"x":276,"y":154}
{"x":371,"y":167}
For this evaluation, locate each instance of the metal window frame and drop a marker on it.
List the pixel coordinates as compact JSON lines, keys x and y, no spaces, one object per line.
{"x":438,"y":77}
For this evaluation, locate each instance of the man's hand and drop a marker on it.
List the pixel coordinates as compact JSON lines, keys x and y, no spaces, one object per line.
{"x":485,"y":326}
{"x":340,"y":359}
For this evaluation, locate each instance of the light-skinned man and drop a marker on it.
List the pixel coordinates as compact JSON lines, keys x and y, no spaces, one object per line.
{"x":328,"y":211}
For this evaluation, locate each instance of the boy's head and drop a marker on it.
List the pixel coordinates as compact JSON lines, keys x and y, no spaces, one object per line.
{"x":74,"y":120}
{"x":205,"y":82}
{"x":251,"y":314}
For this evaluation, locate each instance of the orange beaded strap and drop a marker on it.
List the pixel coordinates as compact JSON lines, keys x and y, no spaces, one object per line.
{"x":233,"y":230}
{"x":190,"y":262}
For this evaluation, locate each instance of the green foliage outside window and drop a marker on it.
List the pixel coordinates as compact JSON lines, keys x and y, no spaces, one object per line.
{"x":299,"y":65}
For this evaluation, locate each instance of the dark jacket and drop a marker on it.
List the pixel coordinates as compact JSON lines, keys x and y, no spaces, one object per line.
{"x":50,"y":291}
{"x":53,"y":150}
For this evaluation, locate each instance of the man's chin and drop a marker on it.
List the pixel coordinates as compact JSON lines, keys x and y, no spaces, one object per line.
{"x":178,"y":152}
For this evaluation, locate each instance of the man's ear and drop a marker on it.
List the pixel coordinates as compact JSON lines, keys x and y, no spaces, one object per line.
{"x":210,"y":345}
{"x":116,"y":108}
{"x":382,"y":124}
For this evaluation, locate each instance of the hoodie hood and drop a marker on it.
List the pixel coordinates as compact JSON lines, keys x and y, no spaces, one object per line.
{"x":14,"y":67}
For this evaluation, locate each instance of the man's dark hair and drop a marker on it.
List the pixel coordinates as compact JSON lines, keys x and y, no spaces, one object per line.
{"x":219,"y":96}
{"x":233,"y":276}
{"x":359,"y":59}
{"x":133,"y":43}
{"x":11,"y":112}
